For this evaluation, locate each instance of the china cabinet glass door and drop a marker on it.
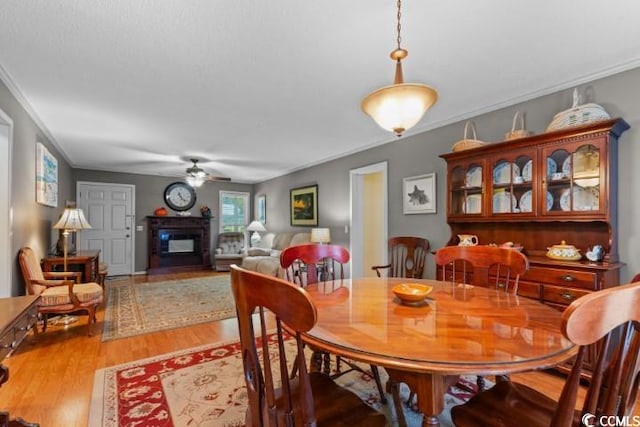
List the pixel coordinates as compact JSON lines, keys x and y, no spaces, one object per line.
{"x":574,"y":178}
{"x":467,"y":183}
{"x":512,"y":185}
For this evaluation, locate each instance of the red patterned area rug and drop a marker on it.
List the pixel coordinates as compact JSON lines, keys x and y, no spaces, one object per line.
{"x":142,"y":308}
{"x":205,"y":386}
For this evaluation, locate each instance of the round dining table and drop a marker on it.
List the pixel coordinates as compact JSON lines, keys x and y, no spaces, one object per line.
{"x":457,"y":329}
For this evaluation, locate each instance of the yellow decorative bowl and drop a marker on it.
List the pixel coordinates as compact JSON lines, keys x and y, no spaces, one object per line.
{"x":411,"y":292}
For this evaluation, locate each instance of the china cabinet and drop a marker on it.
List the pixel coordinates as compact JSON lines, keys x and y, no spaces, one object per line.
{"x":537,"y":192}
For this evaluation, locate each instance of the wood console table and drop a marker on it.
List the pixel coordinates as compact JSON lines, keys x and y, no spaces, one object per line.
{"x":87,"y":260}
{"x":18,"y":315}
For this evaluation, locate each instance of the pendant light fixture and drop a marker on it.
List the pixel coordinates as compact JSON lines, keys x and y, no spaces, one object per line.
{"x":399,"y":107}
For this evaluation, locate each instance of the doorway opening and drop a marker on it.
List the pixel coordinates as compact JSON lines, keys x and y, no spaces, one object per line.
{"x":369,"y":218}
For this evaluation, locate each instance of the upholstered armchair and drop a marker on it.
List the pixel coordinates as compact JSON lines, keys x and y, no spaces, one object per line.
{"x":59,"y":294}
{"x":230,"y":250}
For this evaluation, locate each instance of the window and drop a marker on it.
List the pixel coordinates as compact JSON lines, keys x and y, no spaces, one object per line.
{"x":234,"y":211}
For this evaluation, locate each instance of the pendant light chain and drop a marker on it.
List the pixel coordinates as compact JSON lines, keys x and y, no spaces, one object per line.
{"x":399,"y":26}
{"x":400,"y":106}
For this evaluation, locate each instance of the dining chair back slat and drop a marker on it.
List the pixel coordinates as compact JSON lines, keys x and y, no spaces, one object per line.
{"x":274,"y":398}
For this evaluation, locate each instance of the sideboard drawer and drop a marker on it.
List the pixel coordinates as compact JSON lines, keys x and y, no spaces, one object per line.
{"x":561,"y":294}
{"x":529,"y":290}
{"x":8,"y":342}
{"x":574,"y":278}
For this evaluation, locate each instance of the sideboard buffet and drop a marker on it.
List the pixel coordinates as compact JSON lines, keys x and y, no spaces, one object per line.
{"x":18,"y":315}
{"x":541,"y":191}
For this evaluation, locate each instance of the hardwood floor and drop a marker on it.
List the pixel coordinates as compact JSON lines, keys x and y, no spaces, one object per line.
{"x":51,"y":376}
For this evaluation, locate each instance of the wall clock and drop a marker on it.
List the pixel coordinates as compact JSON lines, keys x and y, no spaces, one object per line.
{"x":180,"y":196}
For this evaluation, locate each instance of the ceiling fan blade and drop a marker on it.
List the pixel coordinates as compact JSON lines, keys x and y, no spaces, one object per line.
{"x":217,"y":178}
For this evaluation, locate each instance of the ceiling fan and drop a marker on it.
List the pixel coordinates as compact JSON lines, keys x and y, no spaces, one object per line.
{"x":196,"y":176}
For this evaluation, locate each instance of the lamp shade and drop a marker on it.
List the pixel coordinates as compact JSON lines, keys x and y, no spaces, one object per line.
{"x":256,"y":226}
{"x":399,"y":107}
{"x":320,"y":235}
{"x":72,"y":219}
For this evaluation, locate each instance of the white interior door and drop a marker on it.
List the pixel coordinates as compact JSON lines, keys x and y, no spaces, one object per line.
{"x":6,"y":265}
{"x":109,"y":208}
{"x":369,"y":210}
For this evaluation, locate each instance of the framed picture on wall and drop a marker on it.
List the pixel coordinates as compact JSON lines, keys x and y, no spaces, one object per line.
{"x":304,"y":206}
{"x":261,"y":208}
{"x":419,"y":194}
{"x":46,"y":177}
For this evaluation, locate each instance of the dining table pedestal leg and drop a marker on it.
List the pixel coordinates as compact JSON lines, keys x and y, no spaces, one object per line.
{"x":429,"y":389}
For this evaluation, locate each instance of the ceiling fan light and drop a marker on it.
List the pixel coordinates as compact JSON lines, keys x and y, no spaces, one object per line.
{"x":194,"y":181}
{"x":399,"y":107}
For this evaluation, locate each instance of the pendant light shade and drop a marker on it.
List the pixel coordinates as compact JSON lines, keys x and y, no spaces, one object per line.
{"x":399,"y":107}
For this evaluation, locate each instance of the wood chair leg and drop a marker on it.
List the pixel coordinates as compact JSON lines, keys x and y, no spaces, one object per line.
{"x":394,"y":388}
{"x":376,"y":377}
{"x":91,"y":311}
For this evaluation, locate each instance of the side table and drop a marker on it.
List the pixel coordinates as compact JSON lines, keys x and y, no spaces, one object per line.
{"x":18,"y":315}
{"x":86,"y":260}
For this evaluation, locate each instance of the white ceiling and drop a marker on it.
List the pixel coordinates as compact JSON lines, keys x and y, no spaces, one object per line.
{"x":260,"y":88}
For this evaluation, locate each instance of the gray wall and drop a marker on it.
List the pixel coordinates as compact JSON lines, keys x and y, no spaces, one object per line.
{"x":31,"y":222}
{"x":150,"y":195}
{"x":406,"y":157}
{"x":418,"y":154}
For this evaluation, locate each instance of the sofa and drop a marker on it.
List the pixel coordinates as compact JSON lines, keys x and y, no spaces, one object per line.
{"x":265,"y":257}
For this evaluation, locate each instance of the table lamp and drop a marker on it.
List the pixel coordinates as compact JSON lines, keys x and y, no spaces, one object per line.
{"x":72,"y":219}
{"x":256,"y":227}
{"x":320,"y":235}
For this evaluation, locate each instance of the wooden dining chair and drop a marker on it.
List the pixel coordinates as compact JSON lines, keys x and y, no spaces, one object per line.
{"x":491,"y":266}
{"x":483,"y":266}
{"x":309,"y":399}
{"x":407,"y":256}
{"x":313,"y":263}
{"x":309,"y":263}
{"x":610,"y":318}
{"x":58,"y":293}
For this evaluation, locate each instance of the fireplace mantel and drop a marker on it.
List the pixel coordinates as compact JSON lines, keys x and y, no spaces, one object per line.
{"x":178,"y":243}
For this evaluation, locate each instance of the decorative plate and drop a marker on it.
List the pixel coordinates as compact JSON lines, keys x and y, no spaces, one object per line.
{"x":411,"y":292}
{"x":565,"y":200}
{"x":503,"y":202}
{"x":584,"y":199}
{"x":552,"y":166}
{"x":474,"y":177}
{"x":566,"y":166}
{"x":526,"y":171}
{"x":501,"y":172}
{"x":472,"y":204}
{"x":525,"y":202}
